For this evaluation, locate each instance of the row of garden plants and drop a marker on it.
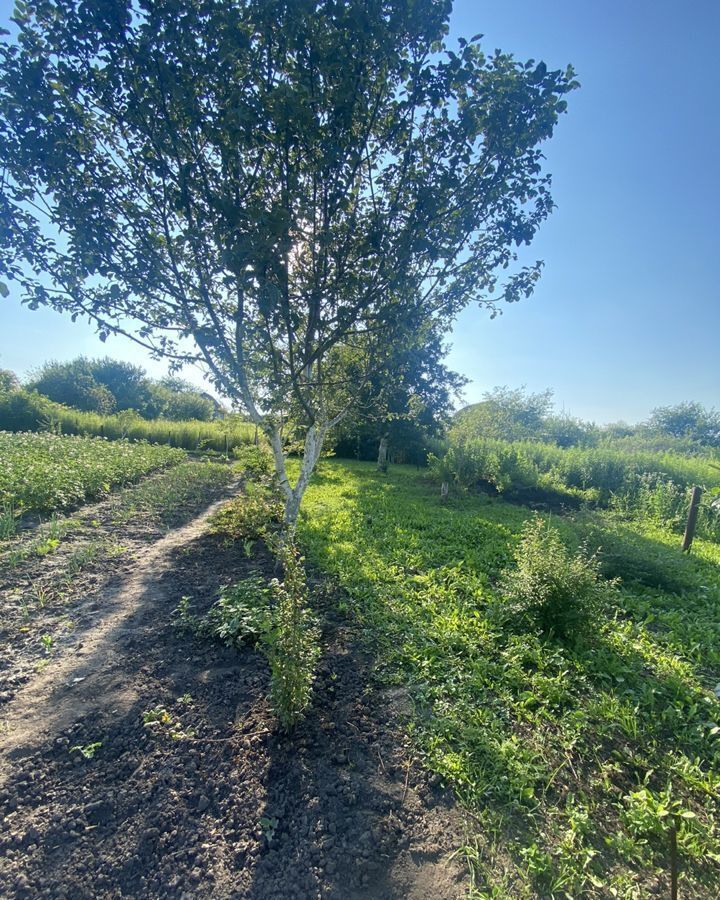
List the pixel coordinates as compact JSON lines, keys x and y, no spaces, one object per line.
{"x":44,"y":472}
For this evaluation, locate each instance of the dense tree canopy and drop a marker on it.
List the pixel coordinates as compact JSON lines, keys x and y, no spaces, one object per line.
{"x":268,"y":187}
{"x":687,"y":420}
{"x":110,"y":385}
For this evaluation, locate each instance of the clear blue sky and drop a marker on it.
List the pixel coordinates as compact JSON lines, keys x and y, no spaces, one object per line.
{"x":627,"y":314}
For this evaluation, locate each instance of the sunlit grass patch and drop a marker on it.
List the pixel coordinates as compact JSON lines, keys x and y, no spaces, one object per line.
{"x":574,"y":757}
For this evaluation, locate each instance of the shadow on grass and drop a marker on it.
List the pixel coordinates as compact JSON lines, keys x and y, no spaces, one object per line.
{"x":381,"y":512}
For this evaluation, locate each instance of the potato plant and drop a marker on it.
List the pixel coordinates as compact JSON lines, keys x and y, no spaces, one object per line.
{"x":44,"y":472}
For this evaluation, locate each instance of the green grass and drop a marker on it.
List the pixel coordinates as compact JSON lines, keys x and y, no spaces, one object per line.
{"x":572,"y":760}
{"x":29,"y":411}
{"x":45,"y":472}
{"x":172,"y":497}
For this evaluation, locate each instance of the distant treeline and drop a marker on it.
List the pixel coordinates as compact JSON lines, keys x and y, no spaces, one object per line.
{"x":507,"y":414}
{"x":108,"y":386}
{"x":515,"y":415}
{"x":512,"y":444}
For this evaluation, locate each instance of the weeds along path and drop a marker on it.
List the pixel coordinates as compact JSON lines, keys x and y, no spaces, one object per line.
{"x":143,"y":762}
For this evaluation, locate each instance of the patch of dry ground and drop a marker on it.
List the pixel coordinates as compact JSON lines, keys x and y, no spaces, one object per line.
{"x":207,"y":801}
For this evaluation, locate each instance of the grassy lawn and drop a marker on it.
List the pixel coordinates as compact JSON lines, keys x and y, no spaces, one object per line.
{"x":573,"y":761}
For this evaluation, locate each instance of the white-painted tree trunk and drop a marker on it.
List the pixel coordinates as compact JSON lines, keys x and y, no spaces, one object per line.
{"x":293,"y":495}
{"x":382,"y":462}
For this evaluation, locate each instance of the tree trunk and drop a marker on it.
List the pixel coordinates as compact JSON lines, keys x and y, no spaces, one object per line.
{"x":293,"y":495}
{"x":382,"y":462}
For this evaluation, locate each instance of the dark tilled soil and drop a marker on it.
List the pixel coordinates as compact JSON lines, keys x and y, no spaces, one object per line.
{"x":59,"y":593}
{"x":209,"y":801}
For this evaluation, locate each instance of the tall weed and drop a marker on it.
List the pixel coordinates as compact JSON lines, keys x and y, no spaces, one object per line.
{"x":562,"y":593}
{"x":292,"y":643}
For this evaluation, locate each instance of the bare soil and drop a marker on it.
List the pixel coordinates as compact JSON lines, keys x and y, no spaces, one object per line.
{"x":208,"y":801}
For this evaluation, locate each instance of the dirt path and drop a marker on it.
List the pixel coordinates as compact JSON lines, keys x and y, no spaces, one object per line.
{"x":92,"y":674}
{"x":205,"y":801}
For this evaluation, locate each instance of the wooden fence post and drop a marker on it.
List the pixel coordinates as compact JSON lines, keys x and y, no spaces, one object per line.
{"x":692,"y":518}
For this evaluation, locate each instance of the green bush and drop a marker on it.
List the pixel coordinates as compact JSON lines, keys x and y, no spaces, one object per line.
{"x":276,"y":617}
{"x":252,"y":515}
{"x":560,"y":592}
{"x":653,"y":497}
{"x":242,"y":613}
{"x":254,"y":461}
{"x":24,"y":411}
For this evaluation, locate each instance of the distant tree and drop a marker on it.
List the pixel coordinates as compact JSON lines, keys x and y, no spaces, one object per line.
{"x":175,"y":398}
{"x":687,"y":420}
{"x":266,"y":187}
{"x":8,"y":381}
{"x":406,"y":402}
{"x":569,"y":431}
{"x":98,"y":385}
{"x":189,"y":405}
{"x":177,"y":385}
{"x":188,"y":398}
{"x":505,"y":413}
{"x":72,"y":383}
{"x":127,"y":382}
{"x":614,"y":430}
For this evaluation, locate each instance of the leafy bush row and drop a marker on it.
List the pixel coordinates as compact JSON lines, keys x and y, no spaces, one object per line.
{"x":28,"y":411}
{"x":46,"y":472}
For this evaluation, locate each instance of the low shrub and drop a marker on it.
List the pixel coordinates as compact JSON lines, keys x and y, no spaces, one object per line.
{"x":253,"y":461}
{"x":560,"y":592}
{"x":242,"y":614}
{"x":252,"y":515}
{"x":275,"y":617}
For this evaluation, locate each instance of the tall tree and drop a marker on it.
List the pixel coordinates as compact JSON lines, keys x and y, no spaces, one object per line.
{"x":687,"y":420}
{"x":265,"y":186}
{"x":405,"y":402}
{"x":510,"y":414}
